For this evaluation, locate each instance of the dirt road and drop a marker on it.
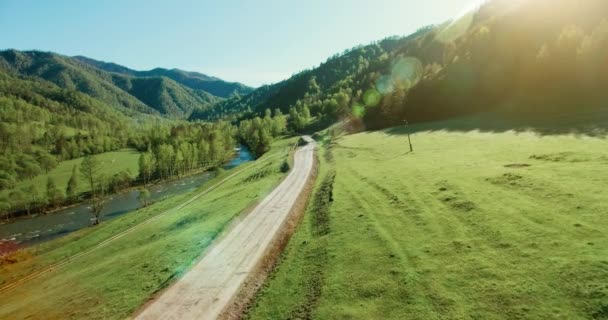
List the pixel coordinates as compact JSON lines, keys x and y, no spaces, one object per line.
{"x":210,"y":285}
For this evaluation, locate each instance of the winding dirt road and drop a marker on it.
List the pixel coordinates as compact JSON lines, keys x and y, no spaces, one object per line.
{"x":210,"y":286}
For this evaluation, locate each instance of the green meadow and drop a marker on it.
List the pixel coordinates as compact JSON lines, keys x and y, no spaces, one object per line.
{"x":471,"y":225}
{"x":113,"y":281}
{"x":111,"y":163}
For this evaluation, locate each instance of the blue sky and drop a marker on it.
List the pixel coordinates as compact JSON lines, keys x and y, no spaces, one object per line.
{"x":251,"y":41}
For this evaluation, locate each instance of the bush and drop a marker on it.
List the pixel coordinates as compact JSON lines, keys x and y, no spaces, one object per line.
{"x":285,"y":166}
{"x":218,"y":171}
{"x":120,"y":181}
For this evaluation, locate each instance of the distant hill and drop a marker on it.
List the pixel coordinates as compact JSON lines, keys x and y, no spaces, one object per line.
{"x":192,"y":80}
{"x":150,"y":92}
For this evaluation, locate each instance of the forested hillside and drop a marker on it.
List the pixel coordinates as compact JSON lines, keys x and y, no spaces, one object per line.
{"x":496,"y":59}
{"x":170,"y":93}
{"x":192,"y":80}
{"x":43,"y":125}
{"x":55,"y":110}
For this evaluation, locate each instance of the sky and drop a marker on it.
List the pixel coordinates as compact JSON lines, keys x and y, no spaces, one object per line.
{"x":254,"y":42}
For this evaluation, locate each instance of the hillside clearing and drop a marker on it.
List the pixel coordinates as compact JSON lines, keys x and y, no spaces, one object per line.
{"x":111,"y":163}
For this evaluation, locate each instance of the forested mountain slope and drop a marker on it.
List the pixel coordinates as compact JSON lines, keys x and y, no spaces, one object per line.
{"x":499,"y":58}
{"x":153,"y":92}
{"x":192,"y":80}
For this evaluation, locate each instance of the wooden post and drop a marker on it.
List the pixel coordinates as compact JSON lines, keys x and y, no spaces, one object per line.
{"x":409,"y":140}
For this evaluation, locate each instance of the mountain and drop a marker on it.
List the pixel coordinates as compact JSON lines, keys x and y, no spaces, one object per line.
{"x":71,"y":75}
{"x":192,"y":80}
{"x":148,"y":92}
{"x":496,"y":59}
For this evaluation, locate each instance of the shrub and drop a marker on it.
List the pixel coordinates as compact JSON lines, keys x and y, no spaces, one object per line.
{"x":285,"y":166}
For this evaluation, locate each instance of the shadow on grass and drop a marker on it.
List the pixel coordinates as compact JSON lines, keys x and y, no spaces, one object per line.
{"x":592,"y":124}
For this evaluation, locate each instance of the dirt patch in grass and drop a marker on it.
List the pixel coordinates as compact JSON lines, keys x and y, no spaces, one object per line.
{"x":561,"y":157}
{"x":458,"y":204}
{"x":508,"y":179}
{"x":453,"y":198}
{"x":517,"y":165}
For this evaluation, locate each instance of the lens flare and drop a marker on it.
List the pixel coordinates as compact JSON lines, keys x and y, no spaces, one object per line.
{"x":358,"y":110}
{"x":371,"y":97}
{"x":461,"y":23}
{"x":385,"y":85}
{"x":406,"y":72}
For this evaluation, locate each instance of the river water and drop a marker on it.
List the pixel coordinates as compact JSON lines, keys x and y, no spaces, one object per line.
{"x":41,"y":228}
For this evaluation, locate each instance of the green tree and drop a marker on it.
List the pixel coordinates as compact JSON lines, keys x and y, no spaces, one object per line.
{"x":165,"y":157}
{"x":5,"y":207}
{"x":203,"y":153}
{"x":98,"y":200}
{"x":144,"y":197}
{"x":146,"y":166}
{"x":72,"y":188}
{"x":279,"y":123}
{"x":47,"y":161}
{"x":89,"y":169}
{"x":306,"y":114}
{"x":34,"y":197}
{"x":18,"y":200}
{"x":54,"y":196}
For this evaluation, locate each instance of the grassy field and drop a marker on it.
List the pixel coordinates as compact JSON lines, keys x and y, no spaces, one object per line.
{"x":112,"y":163}
{"x":472,"y":225}
{"x":113,"y":281}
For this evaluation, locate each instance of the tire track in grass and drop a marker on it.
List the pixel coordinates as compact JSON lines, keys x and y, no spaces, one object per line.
{"x":410,"y":207}
{"x":317,"y":255}
{"x":492,"y":250}
{"x":411,"y":283}
{"x":382,"y":195}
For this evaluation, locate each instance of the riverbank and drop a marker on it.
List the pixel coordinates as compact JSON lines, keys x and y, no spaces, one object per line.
{"x":36,"y":228}
{"x":141,"y":262}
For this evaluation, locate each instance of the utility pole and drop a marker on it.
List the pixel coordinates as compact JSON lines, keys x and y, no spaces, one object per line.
{"x":409,"y":140}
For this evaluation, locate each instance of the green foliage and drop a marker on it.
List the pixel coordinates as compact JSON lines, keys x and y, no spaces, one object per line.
{"x":504,"y":58}
{"x":144,"y":197}
{"x":146,"y":166}
{"x":172,"y":93}
{"x":54,"y":196}
{"x":72,"y":187}
{"x":89,"y":168}
{"x":285,"y":167}
{"x":259,"y":133}
{"x":120,"y":181}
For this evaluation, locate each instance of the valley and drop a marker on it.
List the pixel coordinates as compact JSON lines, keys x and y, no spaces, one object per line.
{"x":440,"y":159}
{"x":152,"y":255}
